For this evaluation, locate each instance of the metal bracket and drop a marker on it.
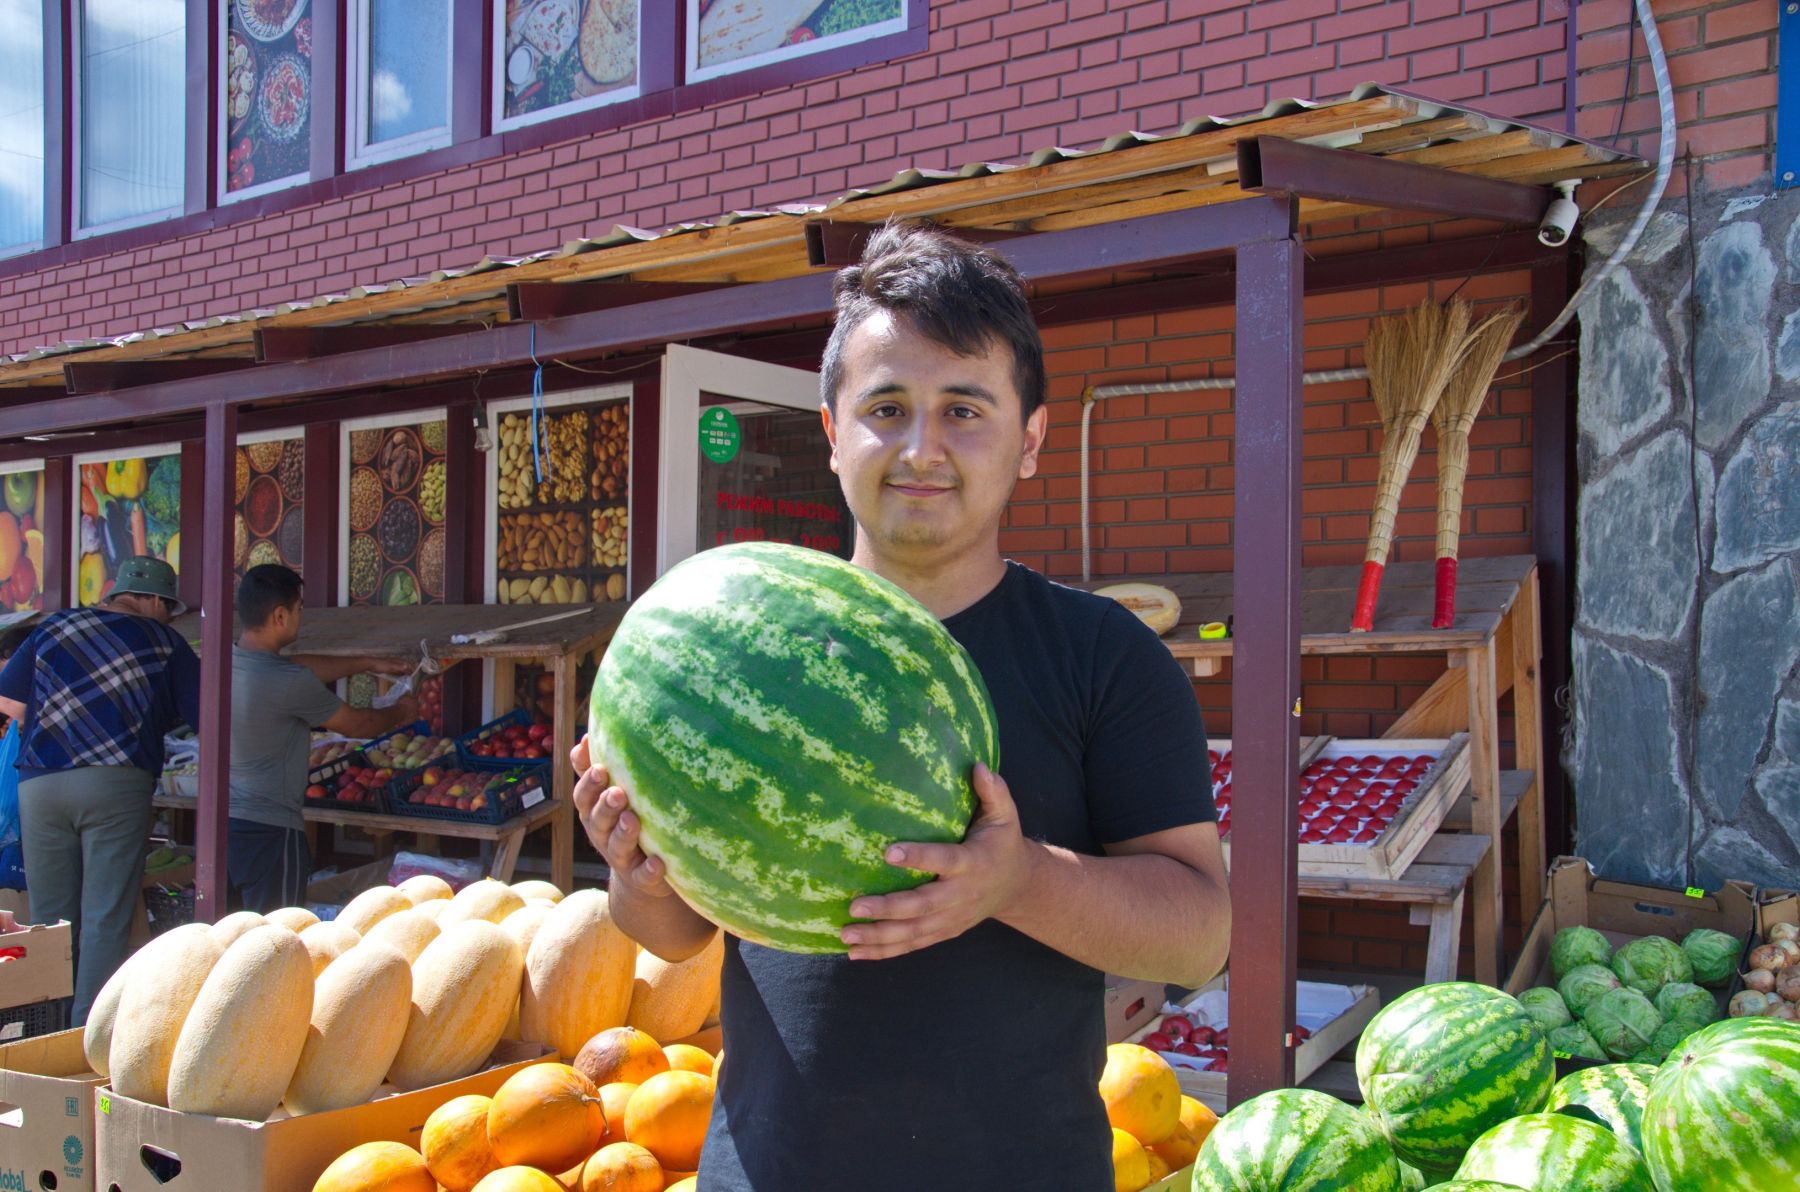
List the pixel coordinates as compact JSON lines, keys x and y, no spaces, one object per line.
{"x":1787,"y":96}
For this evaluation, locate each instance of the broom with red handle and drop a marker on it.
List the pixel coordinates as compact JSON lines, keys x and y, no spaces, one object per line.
{"x":1454,"y":418}
{"x":1411,"y":357}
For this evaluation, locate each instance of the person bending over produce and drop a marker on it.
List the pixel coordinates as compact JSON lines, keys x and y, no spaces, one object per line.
{"x":276,"y":702}
{"x":957,"y":1044}
{"x":95,"y":690}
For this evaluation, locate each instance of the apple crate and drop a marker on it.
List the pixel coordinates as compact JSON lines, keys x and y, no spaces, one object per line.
{"x":1334,"y":1017}
{"x":522,"y":790}
{"x":1413,"y":784}
{"x":474,"y":761}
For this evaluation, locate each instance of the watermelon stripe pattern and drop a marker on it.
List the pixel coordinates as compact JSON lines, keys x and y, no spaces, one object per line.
{"x":1295,"y":1140}
{"x":1723,"y":1113}
{"x":1443,"y":1064}
{"x":1614,"y":1092}
{"x":1550,"y":1152}
{"x":779,"y":717}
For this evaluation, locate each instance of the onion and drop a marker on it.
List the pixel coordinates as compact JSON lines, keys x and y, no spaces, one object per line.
{"x":1760,"y":980}
{"x":1784,"y":931}
{"x":1768,"y":956}
{"x":1748,"y":1004}
{"x":1781,"y":1009}
{"x":1790,"y":947}
{"x":1787,"y":983}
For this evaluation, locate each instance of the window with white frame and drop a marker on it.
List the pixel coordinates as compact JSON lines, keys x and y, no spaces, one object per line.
{"x":131,"y":102}
{"x":21,"y":125}
{"x":399,"y":93}
{"x":553,"y":57}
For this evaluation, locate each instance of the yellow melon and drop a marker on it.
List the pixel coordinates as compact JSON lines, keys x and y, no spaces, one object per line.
{"x":547,"y":1116}
{"x":432,"y":909}
{"x":96,"y":1037}
{"x":578,"y":975}
{"x":407,"y":933}
{"x":537,"y":888}
{"x":455,"y":1142}
{"x":1131,"y":1163}
{"x":360,"y":1004}
{"x":1141,"y":1093}
{"x":425,"y":887}
{"x":671,"y":1000}
{"x":370,"y":907}
{"x":294,"y":918}
{"x":242,"y":1039}
{"x":463,"y":983}
{"x":622,"y":1167}
{"x":152,"y":1010}
{"x":226,"y":931}
{"x":325,"y":942}
{"x":1153,"y":604}
{"x":486,"y":899}
{"x":518,"y":1179}
{"x":377,"y":1167}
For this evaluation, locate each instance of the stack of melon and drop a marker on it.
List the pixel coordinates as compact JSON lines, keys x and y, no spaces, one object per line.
{"x":409,"y":985}
{"x":629,"y":1115}
{"x":1156,"y":1129}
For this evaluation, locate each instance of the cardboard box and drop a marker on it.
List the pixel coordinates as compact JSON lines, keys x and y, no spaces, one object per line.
{"x":340,"y":888}
{"x":1175,"y":1181}
{"x":45,"y":972}
{"x":1776,"y":906}
{"x":1622,"y":912}
{"x":47,"y":1114}
{"x":1130,"y":1004}
{"x":145,"y":1148}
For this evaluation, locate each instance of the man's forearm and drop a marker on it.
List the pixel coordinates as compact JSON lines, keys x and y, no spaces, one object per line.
{"x":1145,"y":916}
{"x":329,"y":668}
{"x":666,"y":926}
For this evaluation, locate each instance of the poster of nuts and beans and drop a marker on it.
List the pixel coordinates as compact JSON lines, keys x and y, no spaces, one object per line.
{"x":561,"y":532}
{"x":271,"y":494}
{"x":396,"y":515}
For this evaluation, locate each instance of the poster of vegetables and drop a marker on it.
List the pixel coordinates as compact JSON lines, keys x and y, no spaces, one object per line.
{"x":22,"y":541}
{"x":271,"y":497}
{"x":129,"y":507}
{"x":562,"y":527}
{"x":557,"y":53}
{"x":267,"y":80}
{"x":731,"y":35}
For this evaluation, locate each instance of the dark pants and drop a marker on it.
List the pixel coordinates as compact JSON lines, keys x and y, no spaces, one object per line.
{"x":268,"y":866}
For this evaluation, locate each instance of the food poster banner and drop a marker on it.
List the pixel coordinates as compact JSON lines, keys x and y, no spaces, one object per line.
{"x":22,"y":541}
{"x":562,"y":530}
{"x":271,"y":498}
{"x":267,"y":79}
{"x":725,"y":36}
{"x":770,"y":480}
{"x":564,"y":53}
{"x":129,"y":506}
{"x":396,"y":518}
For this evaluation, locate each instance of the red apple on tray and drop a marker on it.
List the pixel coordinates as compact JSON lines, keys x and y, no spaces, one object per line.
{"x":315,"y":791}
{"x":1157,"y":1041}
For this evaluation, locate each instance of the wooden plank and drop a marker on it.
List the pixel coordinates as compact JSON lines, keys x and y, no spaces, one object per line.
{"x":1444,"y":708}
{"x":562,"y":827}
{"x":1484,"y":789}
{"x":1444,"y":943}
{"x":1392,"y":851}
{"x":1444,"y":867}
{"x":356,"y":631}
{"x":373,"y":823}
{"x":1514,"y":785}
{"x":1524,"y":654}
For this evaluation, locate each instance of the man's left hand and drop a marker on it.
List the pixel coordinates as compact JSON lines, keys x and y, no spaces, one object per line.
{"x":392,"y":666}
{"x":975,"y":880}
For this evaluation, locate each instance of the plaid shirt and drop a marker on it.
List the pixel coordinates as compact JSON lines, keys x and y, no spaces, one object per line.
{"x":100,"y":688}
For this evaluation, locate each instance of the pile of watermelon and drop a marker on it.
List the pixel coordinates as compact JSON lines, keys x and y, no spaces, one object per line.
{"x":1460,"y":1096}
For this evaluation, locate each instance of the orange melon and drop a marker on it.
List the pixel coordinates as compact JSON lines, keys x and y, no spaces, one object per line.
{"x":518,"y":1179}
{"x":455,"y":1142}
{"x":685,"y":1057}
{"x":1131,"y":1163}
{"x":622,"y":1167}
{"x":547,"y":1116}
{"x":1142,"y":1095}
{"x":1198,"y":1119}
{"x":377,"y":1167}
{"x":621,"y":1053}
{"x":1178,"y":1149}
{"x":668,"y":1116}
{"x":614,"y":1098}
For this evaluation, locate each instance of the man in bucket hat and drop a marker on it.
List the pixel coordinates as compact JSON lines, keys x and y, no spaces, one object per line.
{"x":95,"y":690}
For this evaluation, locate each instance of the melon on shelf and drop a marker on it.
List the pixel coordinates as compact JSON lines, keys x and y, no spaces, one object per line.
{"x":1153,"y":604}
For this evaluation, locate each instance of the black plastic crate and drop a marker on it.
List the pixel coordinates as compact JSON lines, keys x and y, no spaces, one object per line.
{"x":527,"y":788}
{"x":473,"y":761}
{"x":167,"y":907}
{"x":39,"y":1018}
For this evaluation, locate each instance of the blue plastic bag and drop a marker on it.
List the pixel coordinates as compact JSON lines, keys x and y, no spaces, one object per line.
{"x":12,"y":860}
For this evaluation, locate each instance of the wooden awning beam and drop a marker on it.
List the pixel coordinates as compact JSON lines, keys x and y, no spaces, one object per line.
{"x":96,"y":376}
{"x":278,"y":344}
{"x":531,"y":301}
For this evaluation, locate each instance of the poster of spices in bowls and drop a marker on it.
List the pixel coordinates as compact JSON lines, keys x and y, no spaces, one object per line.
{"x":22,"y":541}
{"x":129,"y":506}
{"x":562,"y":529}
{"x":728,"y":35}
{"x":266,"y":80}
{"x":557,"y":52}
{"x":271,"y":498}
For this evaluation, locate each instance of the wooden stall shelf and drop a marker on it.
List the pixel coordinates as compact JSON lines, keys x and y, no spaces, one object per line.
{"x":1491,"y":648}
{"x":398,"y":632}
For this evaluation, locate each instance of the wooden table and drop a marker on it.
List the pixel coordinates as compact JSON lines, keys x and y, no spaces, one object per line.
{"x":398,"y":632}
{"x":1433,"y":886}
{"x":1491,"y":647}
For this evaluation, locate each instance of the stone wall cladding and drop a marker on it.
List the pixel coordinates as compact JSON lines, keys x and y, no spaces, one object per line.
{"x":1687,"y":634}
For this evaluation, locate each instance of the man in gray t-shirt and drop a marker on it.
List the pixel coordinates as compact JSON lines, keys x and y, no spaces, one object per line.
{"x":276,"y":702}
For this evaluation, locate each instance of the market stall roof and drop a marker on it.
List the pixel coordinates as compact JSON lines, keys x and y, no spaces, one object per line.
{"x":527,"y":631}
{"x":1056,"y":189}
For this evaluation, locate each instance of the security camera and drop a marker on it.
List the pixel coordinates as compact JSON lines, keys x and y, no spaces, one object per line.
{"x":1559,"y":219}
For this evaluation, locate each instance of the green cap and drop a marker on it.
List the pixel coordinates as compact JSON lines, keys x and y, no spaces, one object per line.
{"x":148,"y":575}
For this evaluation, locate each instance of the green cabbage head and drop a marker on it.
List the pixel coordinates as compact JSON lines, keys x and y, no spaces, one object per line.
{"x":1622,"y":1021}
{"x":1714,"y":955}
{"x":1573,"y":947}
{"x":1547,"y":1007}
{"x":1574,"y":1040}
{"x":1651,"y":962}
{"x":1583,"y":984}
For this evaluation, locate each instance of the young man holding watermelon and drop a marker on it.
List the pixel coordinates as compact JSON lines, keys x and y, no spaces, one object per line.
{"x":958,"y":1042}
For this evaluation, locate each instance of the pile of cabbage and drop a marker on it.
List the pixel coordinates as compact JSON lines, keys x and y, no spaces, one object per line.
{"x":1636,"y":1004}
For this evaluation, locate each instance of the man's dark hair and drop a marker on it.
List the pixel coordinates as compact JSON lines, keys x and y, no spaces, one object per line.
{"x":952,"y":292}
{"x":265,"y":588}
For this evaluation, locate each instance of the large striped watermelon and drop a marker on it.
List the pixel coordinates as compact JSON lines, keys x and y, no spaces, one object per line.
{"x":1443,"y":1064}
{"x":1615,"y":1094}
{"x":1553,"y":1152}
{"x":1724,"y":1110}
{"x":1295,"y":1140}
{"x":780,"y":717}
{"x":1473,"y":1186}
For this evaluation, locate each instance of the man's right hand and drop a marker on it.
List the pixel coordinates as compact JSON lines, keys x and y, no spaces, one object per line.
{"x":611,"y":827}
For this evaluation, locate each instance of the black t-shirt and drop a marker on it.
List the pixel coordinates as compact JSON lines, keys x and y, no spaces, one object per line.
{"x":972,"y":1064}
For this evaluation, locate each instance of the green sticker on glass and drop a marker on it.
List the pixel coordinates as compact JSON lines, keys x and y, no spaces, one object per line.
{"x":719,"y":435}
{"x":1695,"y":892}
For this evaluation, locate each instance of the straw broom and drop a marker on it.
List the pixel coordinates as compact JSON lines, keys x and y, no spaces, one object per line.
{"x":1411,"y":358}
{"x":1454,"y":417}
